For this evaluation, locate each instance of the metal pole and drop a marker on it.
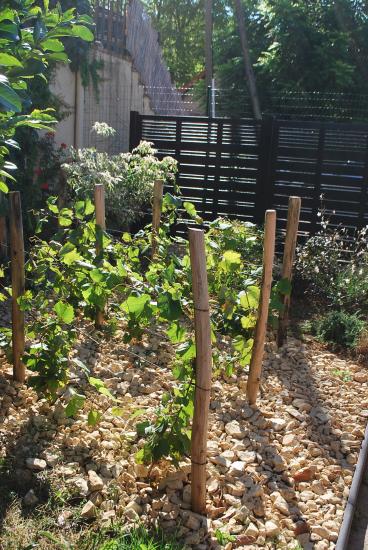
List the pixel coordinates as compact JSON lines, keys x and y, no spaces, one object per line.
{"x":213,"y":99}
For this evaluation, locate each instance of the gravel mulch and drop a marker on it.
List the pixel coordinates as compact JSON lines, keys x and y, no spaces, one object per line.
{"x":278,"y":474}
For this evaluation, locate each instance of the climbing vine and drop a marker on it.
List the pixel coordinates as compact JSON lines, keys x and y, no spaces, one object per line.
{"x":71,"y":281}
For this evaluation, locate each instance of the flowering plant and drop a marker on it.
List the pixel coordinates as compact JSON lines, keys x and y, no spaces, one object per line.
{"x":128,"y":178}
{"x":334,"y":264}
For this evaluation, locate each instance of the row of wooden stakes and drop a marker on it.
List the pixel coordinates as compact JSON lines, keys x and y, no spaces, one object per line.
{"x":201,"y":313}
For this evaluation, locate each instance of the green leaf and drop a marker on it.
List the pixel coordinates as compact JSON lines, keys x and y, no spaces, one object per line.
{"x":100,"y":387}
{"x":191,"y":210}
{"x":171,"y":200}
{"x":75,"y":404}
{"x":53,"y":45}
{"x":39,"y":29}
{"x":58,"y":56}
{"x":78,"y":31}
{"x":142,"y":456}
{"x":65,"y":312}
{"x":248,"y":322}
{"x":244,"y":347}
{"x":136,"y":304}
{"x":83,"y":208}
{"x":187,"y":351}
{"x":141,"y":428}
{"x":97,"y":275}
{"x":9,"y":99}
{"x":231,"y":257}
{"x":94,"y":417}
{"x":284,"y":287}
{"x":176,"y":333}
{"x":71,"y":257}
{"x":249,"y":298}
{"x":7,"y":60}
{"x":3,"y":187}
{"x":65,"y":217}
{"x":82,"y":32}
{"x":7,"y":13}
{"x":52,"y":206}
{"x":9,"y":31}
{"x":117,"y":411}
{"x":170,"y":309}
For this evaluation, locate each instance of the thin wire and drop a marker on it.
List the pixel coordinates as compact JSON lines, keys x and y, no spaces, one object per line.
{"x":125,"y":351}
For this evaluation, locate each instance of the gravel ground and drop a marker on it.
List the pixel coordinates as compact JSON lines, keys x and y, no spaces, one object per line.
{"x":278,"y":474}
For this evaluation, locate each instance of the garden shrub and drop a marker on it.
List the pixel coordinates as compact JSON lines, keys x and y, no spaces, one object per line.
{"x":333,"y":266}
{"x":318,"y":260}
{"x":128,"y":179}
{"x":350,"y":289}
{"x":340,"y":328}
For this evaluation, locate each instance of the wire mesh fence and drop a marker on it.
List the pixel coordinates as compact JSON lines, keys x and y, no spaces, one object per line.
{"x":233,"y":102}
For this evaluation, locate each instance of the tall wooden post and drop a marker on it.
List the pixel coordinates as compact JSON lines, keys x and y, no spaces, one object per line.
{"x":3,"y":230}
{"x":18,"y":283}
{"x":255,"y":368}
{"x":158,"y":191}
{"x":203,"y":369}
{"x":3,"y":239}
{"x":101,"y":226}
{"x":287,"y":265}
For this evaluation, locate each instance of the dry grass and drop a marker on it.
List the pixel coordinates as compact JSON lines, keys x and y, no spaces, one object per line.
{"x":20,"y":531}
{"x":23,"y":528}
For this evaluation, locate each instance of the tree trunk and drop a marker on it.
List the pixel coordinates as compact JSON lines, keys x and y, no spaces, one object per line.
{"x":208,"y":42}
{"x":251,"y":81}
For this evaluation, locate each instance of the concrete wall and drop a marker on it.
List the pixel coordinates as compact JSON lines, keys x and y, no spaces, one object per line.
{"x":120,"y":92}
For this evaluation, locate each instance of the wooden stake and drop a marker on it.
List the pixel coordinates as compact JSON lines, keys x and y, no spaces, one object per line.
{"x":18,"y":283}
{"x":287,"y":265}
{"x":203,"y":369}
{"x":101,"y":223}
{"x":255,"y":368}
{"x":3,"y":230}
{"x":158,"y":191}
{"x":3,"y":239}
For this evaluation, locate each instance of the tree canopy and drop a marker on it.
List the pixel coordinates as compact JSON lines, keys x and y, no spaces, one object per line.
{"x":295,"y":45}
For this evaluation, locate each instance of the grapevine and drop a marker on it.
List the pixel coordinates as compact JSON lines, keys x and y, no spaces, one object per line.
{"x":70,"y":281}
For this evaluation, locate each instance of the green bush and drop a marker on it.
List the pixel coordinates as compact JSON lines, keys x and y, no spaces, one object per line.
{"x":333,"y":266}
{"x":340,"y":328}
{"x":128,"y":179}
{"x":350,"y":289}
{"x":318,"y":261}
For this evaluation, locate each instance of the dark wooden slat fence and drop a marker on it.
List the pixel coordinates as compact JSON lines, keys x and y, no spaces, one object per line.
{"x":239,"y":168}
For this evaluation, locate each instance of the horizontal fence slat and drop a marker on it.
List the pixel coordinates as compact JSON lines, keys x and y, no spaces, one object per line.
{"x":236,"y":167}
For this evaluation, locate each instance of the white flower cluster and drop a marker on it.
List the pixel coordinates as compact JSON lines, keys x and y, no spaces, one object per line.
{"x":128,"y":178}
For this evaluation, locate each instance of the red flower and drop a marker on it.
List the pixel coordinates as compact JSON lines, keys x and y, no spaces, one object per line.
{"x":44,"y":186}
{"x":63,"y":146}
{"x":37,"y":171}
